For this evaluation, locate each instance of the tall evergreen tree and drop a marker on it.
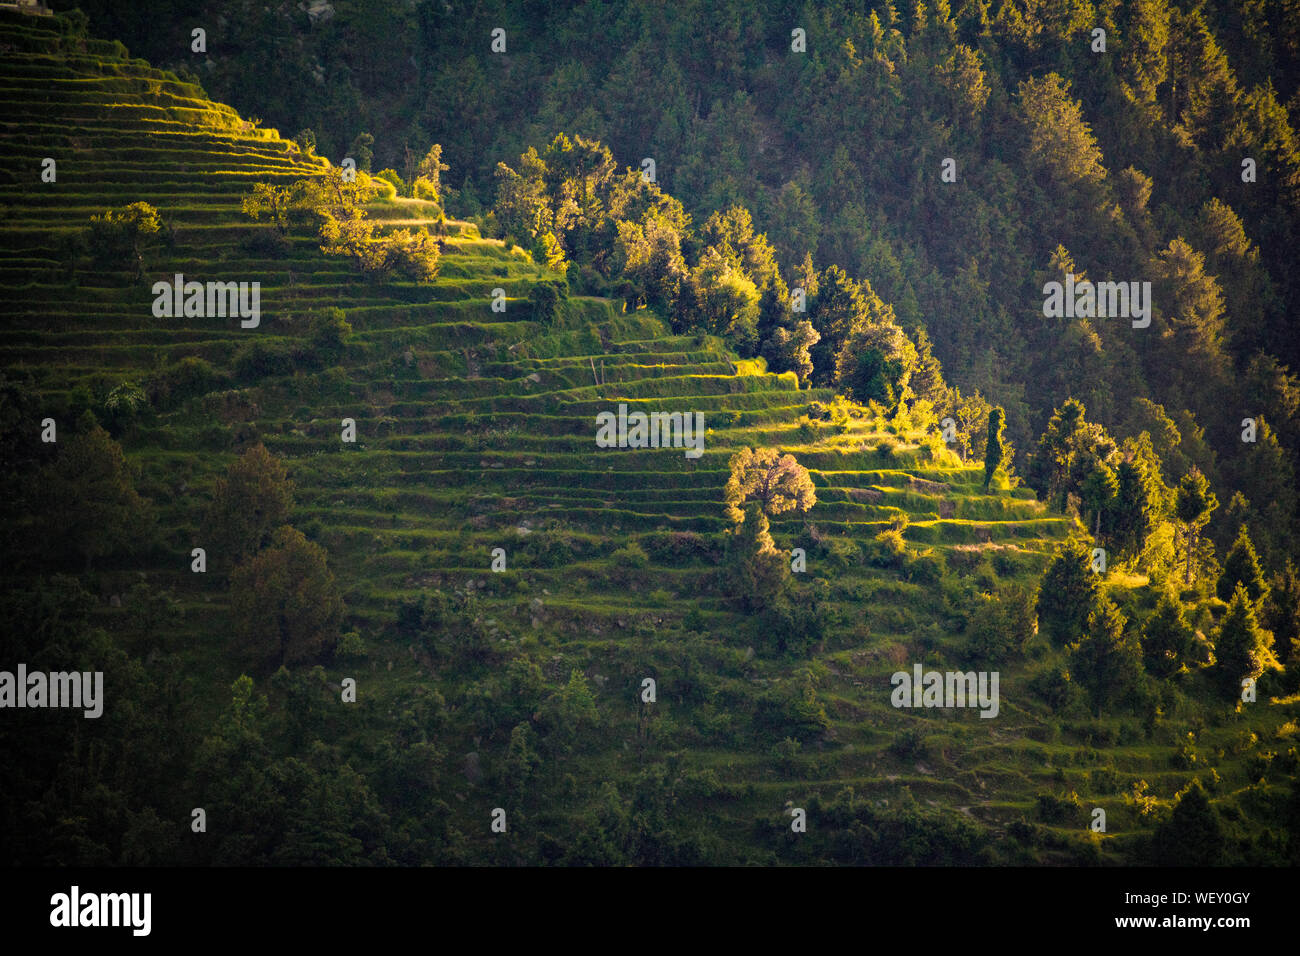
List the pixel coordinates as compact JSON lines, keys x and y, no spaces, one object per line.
{"x":1241,"y":566}
{"x":1066,"y":595}
{"x":1242,"y":648}
{"x":1282,"y":613}
{"x":1107,"y":661}
{"x":993,"y":449}
{"x":1193,"y":835}
{"x":1193,"y":506}
{"x":1166,"y":638}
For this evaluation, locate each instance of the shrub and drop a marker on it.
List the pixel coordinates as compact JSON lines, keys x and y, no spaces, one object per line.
{"x":123,"y":235}
{"x":189,"y":377}
{"x":794,"y":626}
{"x":413,"y":254}
{"x":908,"y":743}
{"x":676,"y":547}
{"x":1065,"y":809}
{"x":1054,"y":686}
{"x":927,"y":568}
{"x":545,"y":298}
{"x":841,"y":553}
{"x":265,"y":244}
{"x":351,"y":645}
{"x":630,"y":556}
{"x":327,"y":334}
{"x":258,"y":359}
{"x":390,"y":176}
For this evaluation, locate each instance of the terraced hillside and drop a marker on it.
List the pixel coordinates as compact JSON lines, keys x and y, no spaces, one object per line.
{"x":476,"y":431}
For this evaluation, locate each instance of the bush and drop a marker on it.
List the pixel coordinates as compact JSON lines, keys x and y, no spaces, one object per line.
{"x":927,"y":568}
{"x":327,"y":334}
{"x":122,"y":405}
{"x":390,"y":176}
{"x":1054,"y":687}
{"x":1001,"y":625}
{"x":908,"y":743}
{"x":890,"y":547}
{"x":189,"y":377}
{"x":122,"y":235}
{"x":630,"y":556}
{"x":351,"y":645}
{"x":841,"y":553}
{"x":794,"y":626}
{"x":677,"y":547}
{"x":1066,"y":809}
{"x":413,"y":254}
{"x":265,"y":244}
{"x":259,"y":359}
{"x":545,"y":298}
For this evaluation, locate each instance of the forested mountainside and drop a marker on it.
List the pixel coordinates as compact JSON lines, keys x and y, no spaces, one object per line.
{"x":598,"y":417}
{"x":1125,"y":164}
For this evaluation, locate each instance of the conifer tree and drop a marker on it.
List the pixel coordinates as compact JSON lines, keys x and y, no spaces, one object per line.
{"x":1107,"y":661}
{"x":1166,"y":638}
{"x":993,"y":450}
{"x":1242,"y":648}
{"x":1066,"y":596}
{"x":1193,"y":505}
{"x":1241,"y":566}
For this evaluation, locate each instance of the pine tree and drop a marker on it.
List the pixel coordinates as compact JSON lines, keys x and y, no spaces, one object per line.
{"x":1193,"y":326}
{"x":1241,"y":566}
{"x":839,"y":311}
{"x":1069,"y":450}
{"x":1266,"y":476}
{"x":1282,"y":613}
{"x":1141,"y":500}
{"x":1066,"y":595}
{"x":1242,"y":648}
{"x":1107,"y":661}
{"x":993,"y":449}
{"x":1061,"y":143}
{"x":1193,"y":835}
{"x":927,"y":379}
{"x":1193,"y":504}
{"x":1098,"y":493}
{"x":1166,"y":638}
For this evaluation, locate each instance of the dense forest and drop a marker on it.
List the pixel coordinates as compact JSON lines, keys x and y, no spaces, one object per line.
{"x":987,"y":305}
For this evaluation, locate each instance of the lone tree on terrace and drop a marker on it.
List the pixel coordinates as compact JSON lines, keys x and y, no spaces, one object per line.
{"x":776,"y":482}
